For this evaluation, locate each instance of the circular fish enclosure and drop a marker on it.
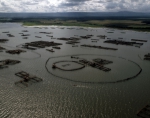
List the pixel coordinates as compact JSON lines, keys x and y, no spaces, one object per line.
{"x":84,"y":68}
{"x":68,"y":65}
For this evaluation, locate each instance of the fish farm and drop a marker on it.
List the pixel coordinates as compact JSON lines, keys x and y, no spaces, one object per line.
{"x":5,"y":63}
{"x":99,"y":47}
{"x":40,"y":44}
{"x":26,"y":78}
{"x":18,"y":51}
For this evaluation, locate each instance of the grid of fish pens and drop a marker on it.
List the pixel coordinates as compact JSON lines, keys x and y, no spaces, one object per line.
{"x":27,"y":78}
{"x":4,"y":63}
{"x":18,"y":51}
{"x":102,"y":61}
{"x":95,"y":65}
{"x":41,"y":44}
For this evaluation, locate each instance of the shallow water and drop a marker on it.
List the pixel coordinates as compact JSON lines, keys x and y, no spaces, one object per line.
{"x":84,"y":93}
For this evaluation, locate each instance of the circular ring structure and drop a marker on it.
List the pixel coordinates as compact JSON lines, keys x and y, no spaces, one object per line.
{"x":69,"y":77}
{"x":70,"y":69}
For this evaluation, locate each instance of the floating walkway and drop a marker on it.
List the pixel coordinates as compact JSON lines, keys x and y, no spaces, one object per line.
{"x":18,"y":51}
{"x":139,"y":40}
{"x":3,"y":40}
{"x":99,"y":47}
{"x":120,"y":42}
{"x":27,"y":78}
{"x":95,"y":65}
{"x":39,"y":44}
{"x":4,"y":63}
{"x":147,"y":57}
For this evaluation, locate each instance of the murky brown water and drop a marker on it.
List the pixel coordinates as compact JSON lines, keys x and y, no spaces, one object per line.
{"x":85,"y":93}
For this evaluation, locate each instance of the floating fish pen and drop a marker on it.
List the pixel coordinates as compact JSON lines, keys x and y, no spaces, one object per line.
{"x":49,"y":36}
{"x":102,"y":61}
{"x":1,"y":48}
{"x":3,"y":40}
{"x":98,"y":47}
{"x":74,"y":57}
{"x":64,"y":67}
{"x":102,"y":36}
{"x":18,"y":51}
{"x":137,"y":46}
{"x":139,"y":40}
{"x":69,"y":39}
{"x":72,"y":42}
{"x":110,"y":32}
{"x":120,"y":38}
{"x":120,"y":42}
{"x":74,"y":38}
{"x":50,"y":50}
{"x":38,"y":37}
{"x":46,"y":32}
{"x":53,"y":38}
{"x":95,"y":39}
{"x":24,"y":30}
{"x":90,"y":35}
{"x":85,"y":37}
{"x":25,"y":35}
{"x":5,"y":32}
{"x":28,"y":47}
{"x":147,"y":57}
{"x":56,"y":47}
{"x":6,"y":62}
{"x":95,"y":65}
{"x":41,"y":44}
{"x":144,"y":112}
{"x":75,"y":46}
{"x":27,"y":78}
{"x":64,"y":39}
{"x":10,"y":35}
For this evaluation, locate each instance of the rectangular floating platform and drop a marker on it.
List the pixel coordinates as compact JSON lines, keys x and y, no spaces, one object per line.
{"x":56,"y":47}
{"x":10,"y":35}
{"x":1,"y":48}
{"x":41,"y":44}
{"x":46,"y":32}
{"x":72,"y":42}
{"x":99,"y":47}
{"x":38,"y":37}
{"x":26,"y":78}
{"x":4,"y":63}
{"x":69,"y":39}
{"x":102,"y":61}
{"x":50,"y":50}
{"x":94,"y":65}
{"x":147,"y":55}
{"x":18,"y":51}
{"x":3,"y":40}
{"x":139,"y":40}
{"x":120,"y":42}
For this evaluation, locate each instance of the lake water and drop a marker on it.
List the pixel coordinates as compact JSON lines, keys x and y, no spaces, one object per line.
{"x":85,"y":93}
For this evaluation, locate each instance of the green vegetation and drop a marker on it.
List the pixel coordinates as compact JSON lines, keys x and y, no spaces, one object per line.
{"x":129,"y":24}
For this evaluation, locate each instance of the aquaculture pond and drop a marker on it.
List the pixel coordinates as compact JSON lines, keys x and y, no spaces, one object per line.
{"x":84,"y":72}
